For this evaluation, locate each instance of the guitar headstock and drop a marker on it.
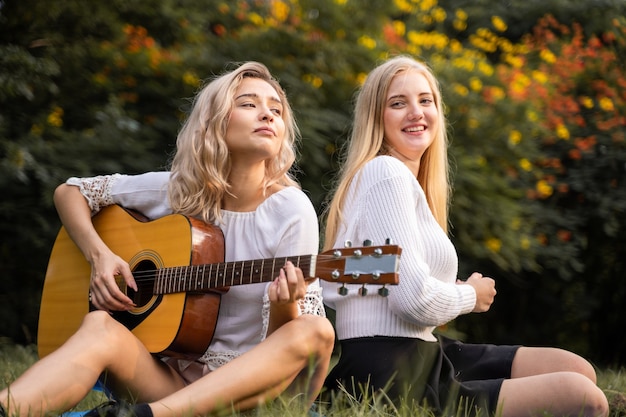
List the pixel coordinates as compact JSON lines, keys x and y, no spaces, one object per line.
{"x":368,"y":264}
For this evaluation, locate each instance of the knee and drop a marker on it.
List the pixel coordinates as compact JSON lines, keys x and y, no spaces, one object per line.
{"x":597,"y":404}
{"x":593,"y":401}
{"x":316,"y":332}
{"x":102,"y":328}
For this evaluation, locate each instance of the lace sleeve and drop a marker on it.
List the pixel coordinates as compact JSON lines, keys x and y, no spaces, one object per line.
{"x":312,"y":303}
{"x":96,"y":190}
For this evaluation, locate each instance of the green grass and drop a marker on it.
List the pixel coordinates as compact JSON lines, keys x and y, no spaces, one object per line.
{"x":15,"y":359}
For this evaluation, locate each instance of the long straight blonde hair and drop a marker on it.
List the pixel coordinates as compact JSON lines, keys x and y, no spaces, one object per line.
{"x":201,"y":166}
{"x":367,"y":141}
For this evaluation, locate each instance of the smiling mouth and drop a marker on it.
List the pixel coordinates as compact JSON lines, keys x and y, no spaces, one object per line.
{"x":415,"y":129}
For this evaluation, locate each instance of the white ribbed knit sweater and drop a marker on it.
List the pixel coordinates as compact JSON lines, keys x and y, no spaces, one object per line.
{"x":386,"y":201}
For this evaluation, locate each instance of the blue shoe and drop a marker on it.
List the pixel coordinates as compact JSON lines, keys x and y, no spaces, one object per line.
{"x":313,"y":412}
{"x":112,"y":409}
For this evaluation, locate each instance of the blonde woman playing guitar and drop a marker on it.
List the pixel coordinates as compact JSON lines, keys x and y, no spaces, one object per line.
{"x":231,"y":169}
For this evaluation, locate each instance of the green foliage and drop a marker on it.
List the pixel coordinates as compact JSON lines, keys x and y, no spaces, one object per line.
{"x":579,"y":194}
{"x":90,"y":88}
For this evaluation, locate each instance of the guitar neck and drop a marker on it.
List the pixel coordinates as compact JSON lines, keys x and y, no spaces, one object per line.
{"x":226,"y":274}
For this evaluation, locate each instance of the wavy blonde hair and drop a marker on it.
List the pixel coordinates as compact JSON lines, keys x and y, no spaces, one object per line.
{"x":367,"y":141}
{"x":201,"y":166}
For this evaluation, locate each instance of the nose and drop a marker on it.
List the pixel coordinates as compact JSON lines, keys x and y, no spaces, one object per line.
{"x":416,"y":113}
{"x":266,"y":114}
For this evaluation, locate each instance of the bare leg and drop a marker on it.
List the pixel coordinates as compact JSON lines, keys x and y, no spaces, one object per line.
{"x":554,"y":381}
{"x":262,"y":373}
{"x":60,"y":380}
{"x":534,"y":361}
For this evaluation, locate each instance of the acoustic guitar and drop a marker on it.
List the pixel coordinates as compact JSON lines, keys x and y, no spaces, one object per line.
{"x":178,"y":265}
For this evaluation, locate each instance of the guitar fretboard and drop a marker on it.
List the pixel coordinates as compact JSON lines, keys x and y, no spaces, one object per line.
{"x":226,"y":274}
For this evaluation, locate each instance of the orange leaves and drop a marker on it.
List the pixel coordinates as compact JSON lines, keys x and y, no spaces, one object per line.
{"x":137,"y":38}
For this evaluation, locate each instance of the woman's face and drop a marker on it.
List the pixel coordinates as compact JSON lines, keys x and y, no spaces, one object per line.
{"x":256,"y":128}
{"x":410,"y":117}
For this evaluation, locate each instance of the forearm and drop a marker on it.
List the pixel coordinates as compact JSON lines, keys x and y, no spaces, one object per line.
{"x":281,"y":314}
{"x":75,"y":215}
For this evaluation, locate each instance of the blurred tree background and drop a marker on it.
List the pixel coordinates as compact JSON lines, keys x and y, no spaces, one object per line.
{"x":535,"y":94}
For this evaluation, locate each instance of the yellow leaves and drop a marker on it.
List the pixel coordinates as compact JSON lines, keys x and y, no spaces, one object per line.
{"x":280,"y":10}
{"x":484,"y":40}
{"x":460,"y":89}
{"x":475,"y":84}
{"x":312,"y":79}
{"x":547,"y":56}
{"x":464,"y":63}
{"x":540,"y":76}
{"x":360,"y":78}
{"x":367,"y":41}
{"x":586,"y":101}
{"x":525,"y":242}
{"x":459,"y":25}
{"x":562,"y":132}
{"x":100,"y":78}
{"x":514,"y":61}
{"x":606,"y":104}
{"x":405,"y":6}
{"x":438,"y":14}
{"x":255,"y":18}
{"x":223,"y":8}
{"x":36,"y":129}
{"x":55,"y":118}
{"x":399,"y":27}
{"x":498,"y":93}
{"x":515,"y":137}
{"x":498,"y":24}
{"x":544,"y":189}
{"x":525,"y":164}
{"x":493,"y":244}
{"x":520,"y":83}
{"x":426,"y":5}
{"x":486,"y":68}
{"x":191,"y":79}
{"x":428,"y":40}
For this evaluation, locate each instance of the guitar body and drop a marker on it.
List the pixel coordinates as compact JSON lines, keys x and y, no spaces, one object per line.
{"x":179,"y":324}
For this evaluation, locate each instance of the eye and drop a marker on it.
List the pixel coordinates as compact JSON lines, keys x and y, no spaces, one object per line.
{"x":277,"y":111}
{"x":396,"y":104}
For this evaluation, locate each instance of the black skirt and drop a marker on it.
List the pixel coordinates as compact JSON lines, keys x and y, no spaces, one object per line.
{"x":442,"y":375}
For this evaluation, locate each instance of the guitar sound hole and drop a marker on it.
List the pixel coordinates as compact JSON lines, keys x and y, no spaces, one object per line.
{"x":144,"y":274}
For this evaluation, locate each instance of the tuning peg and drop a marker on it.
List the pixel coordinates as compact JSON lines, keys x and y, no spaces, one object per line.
{"x":347,"y":244}
{"x":358,"y":253}
{"x":337,"y":253}
{"x":363,"y":291}
{"x":378,"y":252}
{"x":383,"y":291}
{"x":388,"y":241}
{"x":367,"y":242}
{"x":342,"y":290}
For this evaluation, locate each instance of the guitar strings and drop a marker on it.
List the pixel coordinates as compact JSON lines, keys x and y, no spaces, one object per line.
{"x":220,"y":274}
